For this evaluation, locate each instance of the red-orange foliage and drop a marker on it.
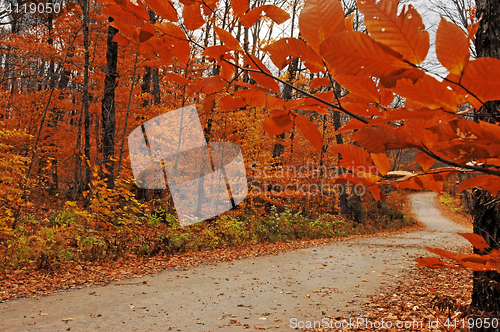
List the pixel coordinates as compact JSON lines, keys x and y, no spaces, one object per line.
{"x":373,"y":66}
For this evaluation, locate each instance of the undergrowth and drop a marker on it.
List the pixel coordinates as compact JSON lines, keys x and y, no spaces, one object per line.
{"x":72,"y":234}
{"x":454,"y":204}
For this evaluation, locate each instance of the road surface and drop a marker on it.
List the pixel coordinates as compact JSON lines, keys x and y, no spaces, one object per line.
{"x":269,"y":292}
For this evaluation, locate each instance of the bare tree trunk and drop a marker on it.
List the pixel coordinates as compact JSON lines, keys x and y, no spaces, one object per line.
{"x":156,"y":87}
{"x":108,"y":108}
{"x":54,"y":115}
{"x":286,"y":94}
{"x":148,"y":77}
{"x":85,"y":99}
{"x":486,"y":212}
{"x":146,"y":85}
{"x":337,"y":124}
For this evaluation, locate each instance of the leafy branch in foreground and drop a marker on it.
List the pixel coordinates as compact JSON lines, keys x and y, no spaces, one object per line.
{"x":372,"y":67}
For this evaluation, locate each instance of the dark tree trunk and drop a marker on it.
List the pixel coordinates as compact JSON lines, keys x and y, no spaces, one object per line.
{"x":146,"y":85}
{"x":156,"y":87}
{"x":148,"y":77}
{"x":108,"y":108}
{"x":486,"y":212}
{"x":85,"y":99}
{"x":488,"y":34}
{"x":344,"y":209}
{"x":286,"y":94}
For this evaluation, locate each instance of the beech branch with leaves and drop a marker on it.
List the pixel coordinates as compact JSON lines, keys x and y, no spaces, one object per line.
{"x":373,"y":67}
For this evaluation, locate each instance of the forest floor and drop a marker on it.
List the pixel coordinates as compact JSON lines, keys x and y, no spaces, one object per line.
{"x":330,"y":280}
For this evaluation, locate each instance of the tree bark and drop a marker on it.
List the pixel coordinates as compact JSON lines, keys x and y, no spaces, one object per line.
{"x":108,"y":108}
{"x":486,"y":212}
{"x":156,"y":87}
{"x":486,"y":289}
{"x":146,"y":85}
{"x":344,"y":209}
{"x":85,"y":100}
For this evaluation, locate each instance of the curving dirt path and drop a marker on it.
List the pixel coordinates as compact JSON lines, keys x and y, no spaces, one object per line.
{"x":306,"y":284}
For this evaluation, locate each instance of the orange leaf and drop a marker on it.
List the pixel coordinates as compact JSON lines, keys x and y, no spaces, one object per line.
{"x":281,"y":50}
{"x":488,"y":182}
{"x":209,"y":103}
{"x":207,"y":85}
{"x":442,"y":253}
{"x":262,"y":79}
{"x":274,"y":103}
{"x":228,"y":39}
{"x":177,"y":79}
{"x":227,"y":69}
{"x":147,"y":31}
{"x":275,"y":13}
{"x":432,"y":182}
{"x":360,"y":86}
{"x":382,"y":162}
{"x":277,"y":125}
{"x":348,"y":179}
{"x":251,"y":86}
{"x":452,"y":47}
{"x":315,"y":108}
{"x":251,"y":17}
{"x":412,"y":183}
{"x":495,"y":260}
{"x":239,"y":7}
{"x":386,"y":96}
{"x":294,"y":104}
{"x":433,"y":263}
{"x":351,"y":125}
{"x":474,"y":258}
{"x":121,"y":39}
{"x":427,"y":91}
{"x":424,"y":160}
{"x":127,"y":30}
{"x":459,"y":129}
{"x":482,"y":78}
{"x":472,"y":30}
{"x":209,"y":6}
{"x":349,"y":23}
{"x":192,"y":16}
{"x":388,"y":138}
{"x":119,"y":13}
{"x":376,"y":192}
{"x":164,"y":8}
{"x":355,"y":53}
{"x":363,"y":109}
{"x":310,"y":131}
{"x":319,"y":81}
{"x":254,"y":98}
{"x":232,"y":103}
{"x":354,"y":157}
{"x":326,"y":96}
{"x":174,"y":32}
{"x":320,"y":19}
{"x":475,"y":266}
{"x":179,"y":44}
{"x":404,"y":34}
{"x":138,"y":8}
{"x":215,"y":52}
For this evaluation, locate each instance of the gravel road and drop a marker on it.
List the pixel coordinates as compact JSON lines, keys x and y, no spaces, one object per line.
{"x":306,"y":284}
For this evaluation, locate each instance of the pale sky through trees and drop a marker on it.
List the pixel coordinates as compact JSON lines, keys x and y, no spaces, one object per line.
{"x":430,"y":12}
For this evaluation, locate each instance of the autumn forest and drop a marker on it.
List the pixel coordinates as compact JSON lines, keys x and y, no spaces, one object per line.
{"x":336,"y":105}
